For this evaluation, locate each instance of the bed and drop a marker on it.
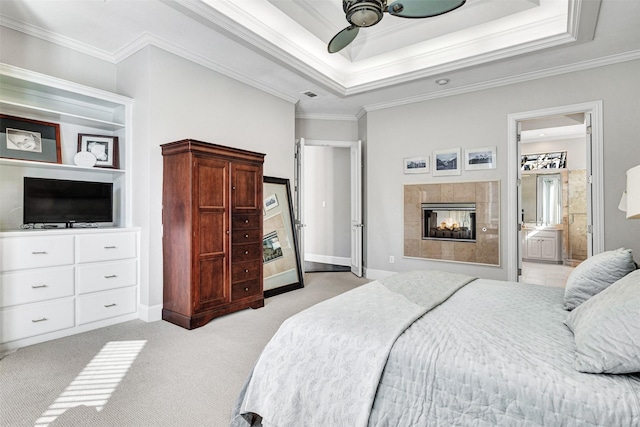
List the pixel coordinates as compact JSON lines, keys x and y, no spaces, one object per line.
{"x":433,"y":348}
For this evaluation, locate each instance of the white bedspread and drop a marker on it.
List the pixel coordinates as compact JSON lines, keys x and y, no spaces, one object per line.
{"x":323,"y":366}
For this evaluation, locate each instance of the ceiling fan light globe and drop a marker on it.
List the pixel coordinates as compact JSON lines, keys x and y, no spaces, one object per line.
{"x":364,"y":13}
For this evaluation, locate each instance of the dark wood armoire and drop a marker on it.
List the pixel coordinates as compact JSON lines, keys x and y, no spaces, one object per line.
{"x":212,"y":231}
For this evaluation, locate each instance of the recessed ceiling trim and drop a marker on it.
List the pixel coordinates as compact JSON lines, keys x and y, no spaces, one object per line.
{"x":261,"y":24}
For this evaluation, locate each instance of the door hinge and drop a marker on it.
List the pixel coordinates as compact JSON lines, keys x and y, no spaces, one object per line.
{"x":518,"y":137}
{"x":588,"y":130}
{"x":519,"y":227}
{"x":519,"y":271}
{"x":519,"y":183}
{"x":590,"y":179}
{"x":590,"y":229}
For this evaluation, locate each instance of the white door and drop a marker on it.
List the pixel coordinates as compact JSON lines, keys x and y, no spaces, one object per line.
{"x":356,"y":208}
{"x":590,"y":174}
{"x":299,"y":196}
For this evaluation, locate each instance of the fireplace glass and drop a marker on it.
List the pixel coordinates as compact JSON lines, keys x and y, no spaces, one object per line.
{"x":449,"y":221}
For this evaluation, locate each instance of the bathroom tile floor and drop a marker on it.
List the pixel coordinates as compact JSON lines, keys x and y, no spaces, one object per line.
{"x":545,"y":274}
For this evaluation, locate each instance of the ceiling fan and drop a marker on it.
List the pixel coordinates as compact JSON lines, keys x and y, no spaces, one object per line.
{"x":365,"y":13}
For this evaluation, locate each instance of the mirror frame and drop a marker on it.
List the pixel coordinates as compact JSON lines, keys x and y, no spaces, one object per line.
{"x":277,"y":200}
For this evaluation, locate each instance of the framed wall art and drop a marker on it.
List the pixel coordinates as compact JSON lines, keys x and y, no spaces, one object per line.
{"x":26,"y":139}
{"x":538,"y":161}
{"x":104,"y":147}
{"x":446,"y":162}
{"x":280,"y":256}
{"x":480,"y":158}
{"x":416,"y":164}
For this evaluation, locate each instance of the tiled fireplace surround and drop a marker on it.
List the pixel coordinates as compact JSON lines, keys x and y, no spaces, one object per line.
{"x":486,"y":196}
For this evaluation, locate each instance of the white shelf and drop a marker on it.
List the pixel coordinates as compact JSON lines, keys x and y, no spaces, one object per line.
{"x":29,"y":111}
{"x":57,"y":166}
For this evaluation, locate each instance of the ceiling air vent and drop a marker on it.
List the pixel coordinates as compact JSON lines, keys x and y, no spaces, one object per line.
{"x":309,"y":94}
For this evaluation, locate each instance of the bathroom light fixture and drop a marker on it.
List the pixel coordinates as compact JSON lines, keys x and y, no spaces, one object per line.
{"x":442,"y":82}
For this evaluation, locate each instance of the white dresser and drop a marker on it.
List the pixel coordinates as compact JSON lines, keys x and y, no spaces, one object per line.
{"x":55,"y":283}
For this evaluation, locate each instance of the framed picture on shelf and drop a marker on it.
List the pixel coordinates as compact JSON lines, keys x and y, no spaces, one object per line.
{"x":26,"y":139}
{"x":416,"y":164}
{"x":446,"y":162}
{"x":104,"y":147}
{"x":480,"y":158}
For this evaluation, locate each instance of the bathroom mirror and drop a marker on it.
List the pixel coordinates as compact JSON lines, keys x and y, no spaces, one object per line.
{"x":542,"y":199}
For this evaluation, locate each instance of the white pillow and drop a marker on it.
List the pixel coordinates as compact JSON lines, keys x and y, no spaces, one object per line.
{"x":607,"y":329}
{"x":595,"y":274}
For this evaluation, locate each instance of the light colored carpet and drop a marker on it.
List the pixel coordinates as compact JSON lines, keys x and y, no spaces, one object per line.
{"x":179,"y":378}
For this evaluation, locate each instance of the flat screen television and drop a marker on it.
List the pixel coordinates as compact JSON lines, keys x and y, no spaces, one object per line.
{"x":54,"y":201}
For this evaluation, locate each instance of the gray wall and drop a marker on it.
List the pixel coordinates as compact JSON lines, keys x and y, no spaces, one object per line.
{"x":480,"y":119}
{"x":177,"y":99}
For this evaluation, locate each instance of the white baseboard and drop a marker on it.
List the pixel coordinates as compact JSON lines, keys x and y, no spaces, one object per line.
{"x":325,"y":259}
{"x":378,"y":274}
{"x":150,"y":313}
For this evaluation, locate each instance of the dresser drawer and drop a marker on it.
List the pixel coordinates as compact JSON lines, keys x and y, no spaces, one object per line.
{"x":106,"y":247}
{"x":19,"y":253}
{"x":242,"y":221}
{"x":245,"y":271}
{"x":246,"y":236}
{"x":23,"y":287}
{"x":35,"y":319}
{"x":106,"y":275}
{"x":242,"y":253}
{"x":103,"y":305}
{"x":241,"y":290}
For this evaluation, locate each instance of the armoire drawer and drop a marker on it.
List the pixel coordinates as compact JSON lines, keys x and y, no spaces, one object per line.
{"x":106,"y":247}
{"x":35,"y":319}
{"x":20,"y":253}
{"x":242,"y":221}
{"x":246,"y":236}
{"x":242,"y":253}
{"x":241,"y":290}
{"x":245,"y":271}
{"x":103,"y":305}
{"x":106,"y":275}
{"x":24,"y":287}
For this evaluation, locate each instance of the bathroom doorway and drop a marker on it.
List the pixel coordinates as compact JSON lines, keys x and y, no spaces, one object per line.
{"x":557,"y":165}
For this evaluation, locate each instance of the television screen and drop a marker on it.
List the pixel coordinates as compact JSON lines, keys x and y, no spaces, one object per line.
{"x":63,"y":201}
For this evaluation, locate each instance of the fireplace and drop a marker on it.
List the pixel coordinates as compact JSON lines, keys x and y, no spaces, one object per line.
{"x":449,"y":221}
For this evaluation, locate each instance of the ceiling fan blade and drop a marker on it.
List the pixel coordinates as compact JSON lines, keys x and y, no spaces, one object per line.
{"x":423,"y":8}
{"x":343,"y":38}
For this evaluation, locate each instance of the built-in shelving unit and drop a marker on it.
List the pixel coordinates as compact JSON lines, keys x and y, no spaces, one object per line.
{"x":77,"y":109}
{"x":58,"y":282}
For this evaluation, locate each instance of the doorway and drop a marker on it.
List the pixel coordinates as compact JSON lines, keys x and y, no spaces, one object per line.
{"x":315,"y":203}
{"x":555,"y":191}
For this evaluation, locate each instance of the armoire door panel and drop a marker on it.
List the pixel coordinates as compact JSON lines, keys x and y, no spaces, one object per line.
{"x":246,"y":187}
{"x":211,"y":286}
{"x":212,"y":178}
{"x":213,"y":232}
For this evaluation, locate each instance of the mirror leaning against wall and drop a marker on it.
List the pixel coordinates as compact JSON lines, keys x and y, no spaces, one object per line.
{"x":280,"y":255}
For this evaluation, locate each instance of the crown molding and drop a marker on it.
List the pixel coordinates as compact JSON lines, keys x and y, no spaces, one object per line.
{"x":550,"y":72}
{"x":52,"y":37}
{"x":148,"y":39}
{"x":334,"y":117}
{"x":139,"y":43}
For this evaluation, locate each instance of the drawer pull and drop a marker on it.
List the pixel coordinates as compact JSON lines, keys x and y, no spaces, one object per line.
{"x":246,"y":252}
{"x":110,"y":247}
{"x":246,"y":221}
{"x":39,"y":253}
{"x":246,"y":289}
{"x":38,"y":286}
{"x":246,"y":236}
{"x":44,"y":319}
{"x":246,"y":270}
{"x":111,"y":276}
{"x":110,"y":305}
